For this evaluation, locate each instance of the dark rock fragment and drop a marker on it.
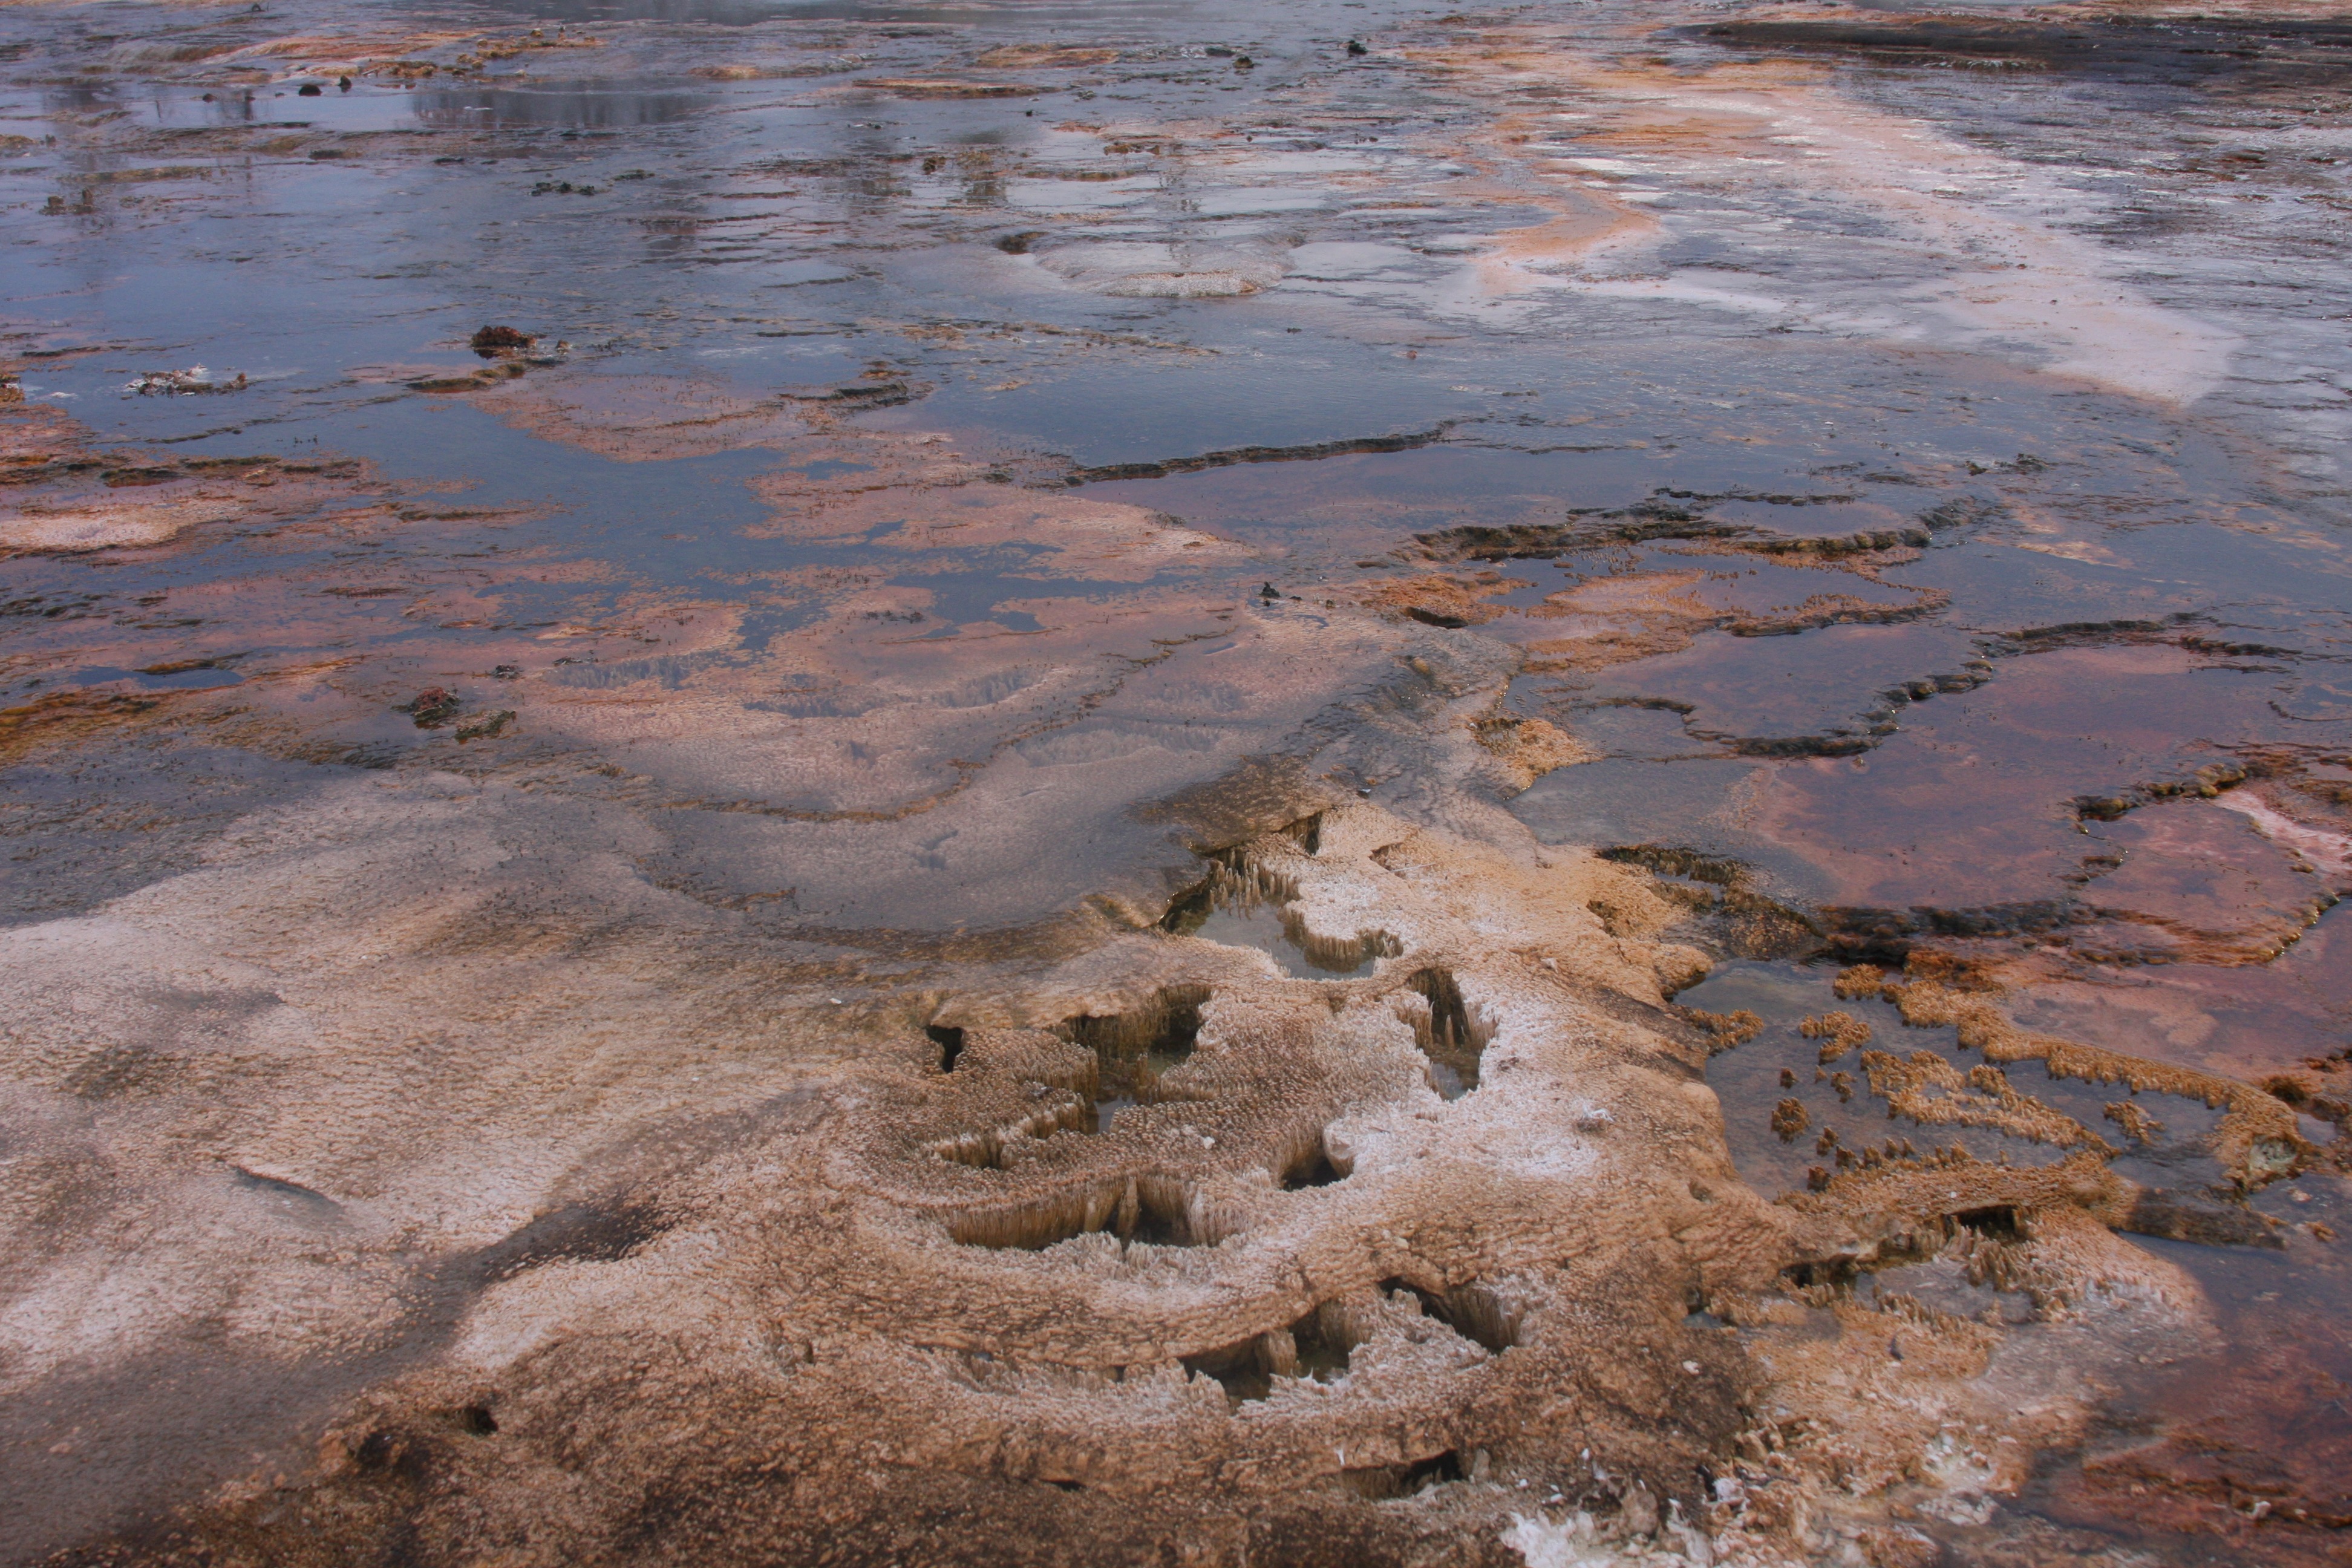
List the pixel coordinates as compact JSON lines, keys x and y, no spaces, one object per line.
{"x":492,"y":341}
{"x":430,"y":708}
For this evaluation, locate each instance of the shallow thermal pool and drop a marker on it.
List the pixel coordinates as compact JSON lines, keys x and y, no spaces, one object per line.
{"x":580,"y":575}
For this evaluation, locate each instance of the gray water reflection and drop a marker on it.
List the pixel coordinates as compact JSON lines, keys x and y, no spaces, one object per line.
{"x":1926,"y":498}
{"x":573,"y":107}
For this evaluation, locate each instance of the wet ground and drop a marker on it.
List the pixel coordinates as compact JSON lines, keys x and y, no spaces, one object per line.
{"x":943,"y":467}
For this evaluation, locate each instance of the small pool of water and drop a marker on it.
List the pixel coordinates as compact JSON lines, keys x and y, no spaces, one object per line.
{"x":1263,"y":927}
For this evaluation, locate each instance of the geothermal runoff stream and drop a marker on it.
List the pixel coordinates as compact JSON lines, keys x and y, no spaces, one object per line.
{"x":826,"y":782}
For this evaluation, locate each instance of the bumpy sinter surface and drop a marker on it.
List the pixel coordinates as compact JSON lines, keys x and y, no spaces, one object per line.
{"x":1179,"y":783}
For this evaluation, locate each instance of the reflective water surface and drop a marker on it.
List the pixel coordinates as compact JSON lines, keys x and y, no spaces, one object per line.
{"x":950,"y":467}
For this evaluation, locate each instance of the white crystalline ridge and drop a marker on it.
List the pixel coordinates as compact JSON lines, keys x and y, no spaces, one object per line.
{"x":1568,"y":1544}
{"x":2002,"y":269}
{"x":1576,"y":1542}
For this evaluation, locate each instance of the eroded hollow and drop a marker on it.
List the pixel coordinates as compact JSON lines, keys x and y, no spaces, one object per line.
{"x":1999,"y":1222}
{"x":1379,"y":1482}
{"x":1136,"y":1049}
{"x":1315,"y":1347}
{"x":1314,"y":1167}
{"x":1985,"y":1237}
{"x":1474,"y":1312}
{"x":1452,"y":1035}
{"x":1309,"y":832}
{"x":949,"y":1041}
{"x":1317,"y":1173}
{"x":983,"y":1148}
{"x":1232,"y":883}
{"x":1148,"y":1210}
{"x":1241,"y":905}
